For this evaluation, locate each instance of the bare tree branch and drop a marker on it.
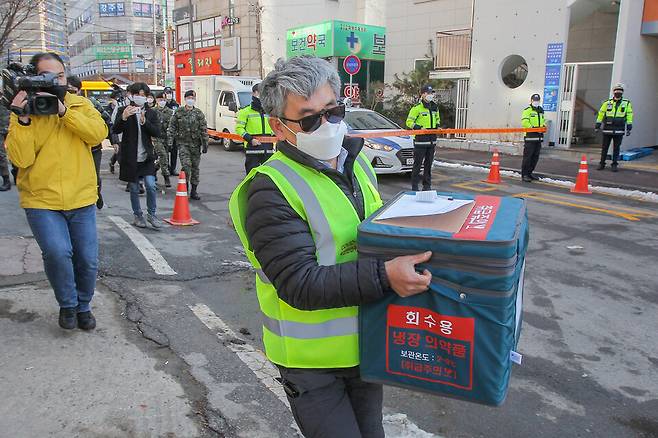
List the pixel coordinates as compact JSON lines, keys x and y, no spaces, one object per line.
{"x":13,"y":14}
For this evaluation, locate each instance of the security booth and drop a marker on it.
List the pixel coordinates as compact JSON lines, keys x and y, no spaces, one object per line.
{"x":335,"y":40}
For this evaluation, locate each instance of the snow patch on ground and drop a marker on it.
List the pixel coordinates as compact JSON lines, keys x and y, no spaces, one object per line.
{"x":618,"y":191}
{"x":399,"y":426}
{"x":237,"y":264}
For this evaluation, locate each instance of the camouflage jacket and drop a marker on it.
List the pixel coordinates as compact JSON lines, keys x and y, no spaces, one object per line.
{"x":4,"y":121}
{"x":164,"y":115}
{"x":187,"y":126}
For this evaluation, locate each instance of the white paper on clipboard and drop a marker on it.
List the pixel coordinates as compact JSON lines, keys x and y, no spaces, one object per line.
{"x":408,"y":206}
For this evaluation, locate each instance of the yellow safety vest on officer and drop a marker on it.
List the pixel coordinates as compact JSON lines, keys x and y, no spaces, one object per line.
{"x":252,"y":121}
{"x":294,"y":338}
{"x":424,"y":115}
{"x":532,"y":117}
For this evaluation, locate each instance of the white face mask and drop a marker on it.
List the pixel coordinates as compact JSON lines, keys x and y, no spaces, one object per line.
{"x":190,"y":102}
{"x":138,"y":100}
{"x":150,"y":100}
{"x":535,"y":103}
{"x":429,"y":98}
{"x":161,"y":103}
{"x":324,"y":143}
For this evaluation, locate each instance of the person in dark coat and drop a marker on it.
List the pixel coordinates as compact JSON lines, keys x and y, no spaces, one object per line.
{"x":139,"y":123}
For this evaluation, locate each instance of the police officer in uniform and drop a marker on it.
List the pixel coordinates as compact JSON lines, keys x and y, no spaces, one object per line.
{"x":4,"y":163}
{"x":615,"y":117}
{"x":252,"y":121}
{"x":425,"y":115}
{"x":188,"y":129}
{"x":532,"y":117}
{"x":160,"y":143}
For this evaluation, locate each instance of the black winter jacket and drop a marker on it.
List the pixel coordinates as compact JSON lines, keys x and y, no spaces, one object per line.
{"x":128,"y":156}
{"x":284,"y":246}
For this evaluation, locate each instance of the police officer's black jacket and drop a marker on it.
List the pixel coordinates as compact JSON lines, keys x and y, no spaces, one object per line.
{"x":284,"y":246}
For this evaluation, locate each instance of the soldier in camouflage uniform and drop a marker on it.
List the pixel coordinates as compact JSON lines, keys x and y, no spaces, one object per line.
{"x":189,"y":130}
{"x":160,"y":143}
{"x":4,"y":163}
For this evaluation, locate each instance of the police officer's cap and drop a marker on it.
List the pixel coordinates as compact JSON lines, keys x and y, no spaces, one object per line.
{"x":166,"y":89}
{"x":255,"y":88}
{"x":619,"y":86}
{"x":535,"y":97}
{"x":427,"y":89}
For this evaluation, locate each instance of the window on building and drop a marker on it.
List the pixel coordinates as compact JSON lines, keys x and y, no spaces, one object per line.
{"x":453,"y":49}
{"x":183,"y":37}
{"x":118,"y":37}
{"x":514,"y":71}
{"x":143,"y":38}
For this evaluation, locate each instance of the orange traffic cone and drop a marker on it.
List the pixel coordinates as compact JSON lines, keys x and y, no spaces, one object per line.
{"x":582,"y":180}
{"x":494,"y":171}
{"x":181,"y":214}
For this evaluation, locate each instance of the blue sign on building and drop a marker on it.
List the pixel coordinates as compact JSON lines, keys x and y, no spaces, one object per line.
{"x":554,"y":54}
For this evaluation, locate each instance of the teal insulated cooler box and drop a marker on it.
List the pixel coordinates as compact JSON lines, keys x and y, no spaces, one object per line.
{"x":459,"y":338}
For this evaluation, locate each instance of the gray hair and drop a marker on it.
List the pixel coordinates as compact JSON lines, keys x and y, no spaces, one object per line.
{"x":301,"y":76}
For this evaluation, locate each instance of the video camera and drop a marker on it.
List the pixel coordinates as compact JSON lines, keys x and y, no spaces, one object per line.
{"x":17,"y":77}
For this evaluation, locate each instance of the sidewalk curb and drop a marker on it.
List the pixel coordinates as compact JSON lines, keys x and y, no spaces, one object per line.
{"x":556,"y":176}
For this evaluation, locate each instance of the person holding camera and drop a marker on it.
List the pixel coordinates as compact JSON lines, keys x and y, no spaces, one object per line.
{"x":51,"y":134}
{"x":139,"y":124}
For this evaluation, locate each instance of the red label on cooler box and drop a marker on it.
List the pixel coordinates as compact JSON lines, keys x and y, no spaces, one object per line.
{"x":480,"y":219}
{"x":425,"y":345}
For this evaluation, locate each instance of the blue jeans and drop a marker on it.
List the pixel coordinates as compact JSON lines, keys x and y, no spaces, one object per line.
{"x":151,"y":196}
{"x":69,"y":247}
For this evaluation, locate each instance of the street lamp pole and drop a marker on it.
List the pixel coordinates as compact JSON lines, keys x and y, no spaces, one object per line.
{"x":155,"y":46}
{"x":189,"y":2}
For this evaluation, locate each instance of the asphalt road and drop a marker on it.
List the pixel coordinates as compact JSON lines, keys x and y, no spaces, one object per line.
{"x":590,"y":363}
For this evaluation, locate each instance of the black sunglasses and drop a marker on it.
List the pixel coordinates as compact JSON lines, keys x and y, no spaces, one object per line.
{"x":313,"y":122}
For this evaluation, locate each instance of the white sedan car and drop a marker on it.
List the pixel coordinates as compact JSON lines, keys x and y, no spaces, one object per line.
{"x":387,"y":154}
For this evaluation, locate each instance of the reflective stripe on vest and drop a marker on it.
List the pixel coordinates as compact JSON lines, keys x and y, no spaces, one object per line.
{"x":324,"y":239}
{"x":302,"y":330}
{"x":369,"y":171}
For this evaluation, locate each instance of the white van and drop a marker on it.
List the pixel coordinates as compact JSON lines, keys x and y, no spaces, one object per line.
{"x":220,"y":98}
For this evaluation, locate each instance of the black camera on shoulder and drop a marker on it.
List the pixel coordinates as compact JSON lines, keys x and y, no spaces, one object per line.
{"x":17,"y":77}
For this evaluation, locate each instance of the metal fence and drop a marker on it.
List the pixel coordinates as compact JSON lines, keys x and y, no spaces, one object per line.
{"x":453,"y":49}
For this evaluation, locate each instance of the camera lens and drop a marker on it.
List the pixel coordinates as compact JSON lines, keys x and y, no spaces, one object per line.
{"x":41,"y":105}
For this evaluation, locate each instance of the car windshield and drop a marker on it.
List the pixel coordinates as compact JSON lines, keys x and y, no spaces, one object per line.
{"x":361,"y":120}
{"x":245,"y":98}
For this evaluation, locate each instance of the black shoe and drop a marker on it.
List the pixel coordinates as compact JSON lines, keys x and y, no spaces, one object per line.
{"x":194,"y":195}
{"x":601,"y":166}
{"x":167,"y":181}
{"x":614,"y":168}
{"x":6,"y":184}
{"x":534,"y":178}
{"x":128,"y":187}
{"x":67,"y":318}
{"x":111,"y":168}
{"x":86,"y":321}
{"x":141,"y":189}
{"x":99,"y":202}
{"x":526,"y":179}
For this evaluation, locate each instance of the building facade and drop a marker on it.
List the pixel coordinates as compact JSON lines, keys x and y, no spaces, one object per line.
{"x":43,"y":31}
{"x":497,"y":53}
{"x":118,"y":39}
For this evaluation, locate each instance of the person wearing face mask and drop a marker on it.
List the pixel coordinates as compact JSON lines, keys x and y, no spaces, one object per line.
{"x":58,"y":190}
{"x":188,"y":129}
{"x":173,"y":149}
{"x":252,"y":121}
{"x":532,"y":117}
{"x":139,"y":124}
{"x":616,"y":117}
{"x":116,"y":101}
{"x":169,"y":97}
{"x":160,"y":143}
{"x":424,"y":115}
{"x":297,"y":217}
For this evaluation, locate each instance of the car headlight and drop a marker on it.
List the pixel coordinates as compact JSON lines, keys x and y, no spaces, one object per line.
{"x":377,"y":146}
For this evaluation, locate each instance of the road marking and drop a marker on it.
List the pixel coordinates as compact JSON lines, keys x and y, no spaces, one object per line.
{"x":152,"y":255}
{"x":630,"y":214}
{"x":477,"y":186}
{"x":253,"y":358}
{"x":267,"y":373}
